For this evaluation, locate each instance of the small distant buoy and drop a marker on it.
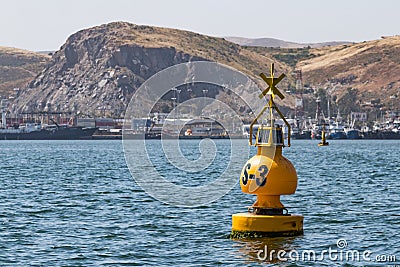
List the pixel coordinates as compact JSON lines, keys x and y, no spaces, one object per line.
{"x":268,"y":175}
{"x":323,"y":139}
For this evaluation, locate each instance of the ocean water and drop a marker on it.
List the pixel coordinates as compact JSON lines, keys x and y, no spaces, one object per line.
{"x":75,"y":203}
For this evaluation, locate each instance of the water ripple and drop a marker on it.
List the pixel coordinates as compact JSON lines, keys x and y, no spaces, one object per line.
{"x":75,"y":204}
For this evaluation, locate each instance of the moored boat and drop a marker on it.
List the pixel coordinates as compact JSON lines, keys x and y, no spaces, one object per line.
{"x":353,"y":134}
{"x":337,"y":132}
{"x":47,"y":133}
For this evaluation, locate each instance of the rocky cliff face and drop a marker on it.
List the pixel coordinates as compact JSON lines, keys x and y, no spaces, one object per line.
{"x":98,"y":69}
{"x":94,"y":72}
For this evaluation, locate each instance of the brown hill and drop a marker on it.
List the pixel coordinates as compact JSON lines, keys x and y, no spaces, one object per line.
{"x":104,"y":65}
{"x":371,"y":68}
{"x":101,"y":67}
{"x":18,"y":67}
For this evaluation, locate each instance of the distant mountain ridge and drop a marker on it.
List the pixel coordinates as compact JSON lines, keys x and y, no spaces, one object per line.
{"x":276,"y":43}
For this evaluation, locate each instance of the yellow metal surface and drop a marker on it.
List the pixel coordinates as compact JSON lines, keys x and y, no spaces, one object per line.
{"x":272,"y":82}
{"x":323,"y":140}
{"x":266,"y":175}
{"x":268,"y":201}
{"x":249,"y":222}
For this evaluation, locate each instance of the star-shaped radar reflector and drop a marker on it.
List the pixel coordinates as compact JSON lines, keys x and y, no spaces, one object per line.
{"x":272,"y":82}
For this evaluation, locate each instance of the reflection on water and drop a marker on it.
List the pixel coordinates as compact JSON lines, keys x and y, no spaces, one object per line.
{"x":253,"y":250}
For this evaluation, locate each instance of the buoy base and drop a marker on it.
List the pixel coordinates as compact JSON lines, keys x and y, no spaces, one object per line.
{"x":245,"y":225}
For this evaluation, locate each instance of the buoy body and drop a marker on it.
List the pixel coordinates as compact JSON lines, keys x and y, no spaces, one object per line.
{"x":253,"y":225}
{"x":323,"y":144}
{"x":268,"y":175}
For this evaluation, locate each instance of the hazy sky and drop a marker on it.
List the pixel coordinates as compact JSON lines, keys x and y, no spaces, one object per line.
{"x":46,"y":24}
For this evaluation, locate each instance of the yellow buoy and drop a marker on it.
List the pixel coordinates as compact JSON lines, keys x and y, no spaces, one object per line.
{"x":323,"y":138}
{"x":268,"y":175}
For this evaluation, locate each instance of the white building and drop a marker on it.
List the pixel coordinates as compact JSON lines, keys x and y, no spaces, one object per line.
{"x":358,"y":116}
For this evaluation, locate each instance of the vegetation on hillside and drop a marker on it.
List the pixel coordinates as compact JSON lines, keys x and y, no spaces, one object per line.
{"x":289,"y":56}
